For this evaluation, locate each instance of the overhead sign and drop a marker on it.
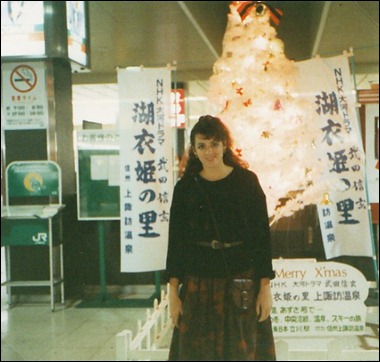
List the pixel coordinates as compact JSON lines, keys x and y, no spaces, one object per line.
{"x":77,"y":34}
{"x":22,"y":28}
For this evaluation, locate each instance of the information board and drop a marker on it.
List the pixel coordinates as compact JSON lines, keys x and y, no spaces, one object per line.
{"x":313,"y":298}
{"x":98,"y":182}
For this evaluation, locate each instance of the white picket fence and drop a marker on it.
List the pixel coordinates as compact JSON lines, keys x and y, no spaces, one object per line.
{"x":151,"y":342}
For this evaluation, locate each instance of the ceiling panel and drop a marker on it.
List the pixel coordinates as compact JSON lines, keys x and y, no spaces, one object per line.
{"x":190,"y":33}
{"x":352,"y":24}
{"x":155,"y":33}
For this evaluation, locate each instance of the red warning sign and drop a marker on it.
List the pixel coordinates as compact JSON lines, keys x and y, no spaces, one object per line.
{"x":23,"y":78}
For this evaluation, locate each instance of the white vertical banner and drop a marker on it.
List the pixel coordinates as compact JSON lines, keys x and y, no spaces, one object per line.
{"x":344,"y":221}
{"x":146,"y":177}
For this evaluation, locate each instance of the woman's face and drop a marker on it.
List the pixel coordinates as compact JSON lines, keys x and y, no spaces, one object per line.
{"x":209,"y":151}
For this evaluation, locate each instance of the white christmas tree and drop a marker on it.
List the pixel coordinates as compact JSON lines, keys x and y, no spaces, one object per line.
{"x":253,"y":88}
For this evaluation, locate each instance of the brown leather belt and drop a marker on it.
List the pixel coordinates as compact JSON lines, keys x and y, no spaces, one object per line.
{"x":215,"y":244}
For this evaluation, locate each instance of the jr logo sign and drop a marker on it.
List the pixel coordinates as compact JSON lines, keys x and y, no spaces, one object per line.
{"x":40,"y":238}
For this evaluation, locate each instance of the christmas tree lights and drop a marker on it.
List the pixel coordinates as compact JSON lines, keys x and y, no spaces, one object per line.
{"x":253,"y":87}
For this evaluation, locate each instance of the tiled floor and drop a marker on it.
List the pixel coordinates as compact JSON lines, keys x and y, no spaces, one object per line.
{"x":34,"y":333}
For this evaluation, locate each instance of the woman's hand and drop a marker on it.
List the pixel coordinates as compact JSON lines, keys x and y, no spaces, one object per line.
{"x":175,"y":303}
{"x":264,"y":300}
{"x":175,"y":308}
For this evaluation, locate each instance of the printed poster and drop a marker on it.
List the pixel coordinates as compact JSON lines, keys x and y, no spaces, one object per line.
{"x":146,"y":176}
{"x":344,"y":219}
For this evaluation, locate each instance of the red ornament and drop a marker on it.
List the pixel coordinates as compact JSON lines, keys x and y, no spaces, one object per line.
{"x":245,"y":7}
{"x":226,"y":105}
{"x":277,"y":105}
{"x":248,"y":102}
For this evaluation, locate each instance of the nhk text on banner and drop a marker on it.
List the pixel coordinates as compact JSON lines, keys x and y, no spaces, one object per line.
{"x":146,"y":179}
{"x":344,"y":221}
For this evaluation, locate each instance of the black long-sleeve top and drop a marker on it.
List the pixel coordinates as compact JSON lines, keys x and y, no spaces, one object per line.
{"x":239,"y":206}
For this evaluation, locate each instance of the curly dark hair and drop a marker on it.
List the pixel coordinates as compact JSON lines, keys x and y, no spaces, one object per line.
{"x":212,"y":128}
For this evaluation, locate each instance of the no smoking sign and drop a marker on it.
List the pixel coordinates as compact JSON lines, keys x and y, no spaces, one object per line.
{"x":24,"y":95}
{"x":23,"y":78}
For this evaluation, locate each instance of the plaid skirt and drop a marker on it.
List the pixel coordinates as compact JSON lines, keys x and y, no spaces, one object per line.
{"x":212,"y":329}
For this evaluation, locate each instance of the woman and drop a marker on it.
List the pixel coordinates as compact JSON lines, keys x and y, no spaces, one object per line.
{"x":219,"y":230}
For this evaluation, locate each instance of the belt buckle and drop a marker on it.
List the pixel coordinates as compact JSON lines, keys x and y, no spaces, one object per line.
{"x":215,"y":244}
